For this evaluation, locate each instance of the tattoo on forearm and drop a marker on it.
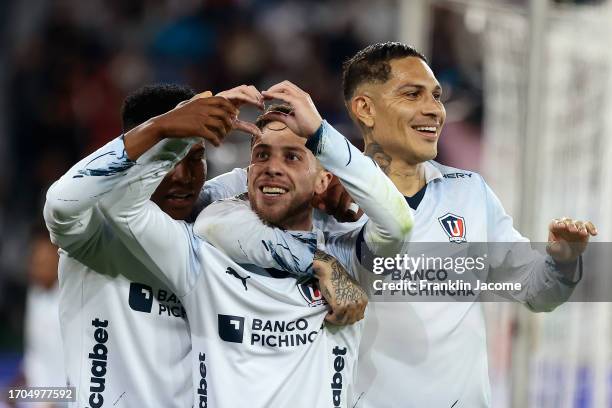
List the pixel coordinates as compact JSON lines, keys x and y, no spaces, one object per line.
{"x":344,"y":286}
{"x":376,"y":152}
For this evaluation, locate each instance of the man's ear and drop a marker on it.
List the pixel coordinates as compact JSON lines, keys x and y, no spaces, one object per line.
{"x":322,"y":182}
{"x":363,"y":110}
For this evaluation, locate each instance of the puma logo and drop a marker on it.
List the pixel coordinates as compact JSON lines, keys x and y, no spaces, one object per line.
{"x":235,"y":274}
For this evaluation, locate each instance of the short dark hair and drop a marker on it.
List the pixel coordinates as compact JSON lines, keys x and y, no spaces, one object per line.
{"x":262,"y":121}
{"x":152,"y":100}
{"x":371,"y":64}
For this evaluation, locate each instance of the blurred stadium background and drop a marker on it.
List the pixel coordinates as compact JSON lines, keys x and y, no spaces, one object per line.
{"x":527,"y":83}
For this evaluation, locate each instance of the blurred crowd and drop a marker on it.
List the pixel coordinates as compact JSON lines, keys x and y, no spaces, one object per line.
{"x":66,"y":66}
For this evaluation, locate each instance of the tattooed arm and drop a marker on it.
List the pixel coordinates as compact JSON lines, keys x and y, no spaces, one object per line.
{"x":346,"y":298}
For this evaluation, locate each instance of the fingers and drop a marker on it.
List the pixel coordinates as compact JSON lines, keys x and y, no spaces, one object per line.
{"x":209,"y":135}
{"x":219,"y":102}
{"x":567,"y":225}
{"x":283,"y":95}
{"x":218,"y":126}
{"x":244,"y":94}
{"x":206,"y":94}
{"x":591,"y":228}
{"x":287,"y":87}
{"x":247,"y":127}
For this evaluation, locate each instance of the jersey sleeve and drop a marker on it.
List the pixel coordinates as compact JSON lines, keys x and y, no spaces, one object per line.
{"x":512,"y":259}
{"x":167,"y":247}
{"x":390,"y":217}
{"x":226,"y":185}
{"x":70,"y":211}
{"x":233,"y":227}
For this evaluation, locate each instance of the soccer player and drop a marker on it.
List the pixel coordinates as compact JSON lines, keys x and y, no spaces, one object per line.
{"x":258,"y":338}
{"x":419,"y":354}
{"x":125,"y":333}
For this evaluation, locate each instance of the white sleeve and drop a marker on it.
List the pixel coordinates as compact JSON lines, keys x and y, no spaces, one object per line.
{"x":226,"y":185}
{"x":167,"y":247}
{"x":512,"y":259}
{"x":390,"y":217}
{"x":234,"y":228}
{"x":70,"y":208}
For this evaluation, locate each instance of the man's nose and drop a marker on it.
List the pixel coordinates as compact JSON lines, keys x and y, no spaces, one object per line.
{"x":182,"y":173}
{"x":275,"y":167}
{"x":433,"y":107}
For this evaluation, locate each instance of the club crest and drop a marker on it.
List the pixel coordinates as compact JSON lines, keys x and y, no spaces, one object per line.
{"x":454,"y":226}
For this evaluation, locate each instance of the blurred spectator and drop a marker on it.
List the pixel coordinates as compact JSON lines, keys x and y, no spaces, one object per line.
{"x":43,"y":358}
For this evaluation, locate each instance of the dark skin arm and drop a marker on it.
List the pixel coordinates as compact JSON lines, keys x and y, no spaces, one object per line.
{"x":206,"y":116}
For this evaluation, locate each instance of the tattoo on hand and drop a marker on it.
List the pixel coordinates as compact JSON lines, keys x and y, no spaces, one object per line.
{"x":376,"y":152}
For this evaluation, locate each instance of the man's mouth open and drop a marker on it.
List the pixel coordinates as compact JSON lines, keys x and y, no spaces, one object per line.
{"x":430,"y":132}
{"x":273,"y":191}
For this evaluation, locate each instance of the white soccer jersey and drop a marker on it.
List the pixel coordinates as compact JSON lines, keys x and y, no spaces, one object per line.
{"x":257,"y":340}
{"x":422,"y":354}
{"x":125,"y":334}
{"x":425,"y":354}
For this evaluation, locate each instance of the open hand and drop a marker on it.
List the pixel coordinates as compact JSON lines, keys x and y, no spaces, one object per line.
{"x":568,"y":238}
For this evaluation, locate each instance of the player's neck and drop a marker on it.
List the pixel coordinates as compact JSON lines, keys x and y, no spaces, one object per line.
{"x":300,"y":221}
{"x":408,"y":178}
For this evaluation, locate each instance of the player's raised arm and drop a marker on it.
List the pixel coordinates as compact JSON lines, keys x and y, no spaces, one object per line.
{"x":69,"y":211}
{"x":390,"y":217}
{"x":160,"y":242}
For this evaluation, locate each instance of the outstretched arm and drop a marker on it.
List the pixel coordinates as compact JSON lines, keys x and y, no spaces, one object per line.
{"x":546,"y":281}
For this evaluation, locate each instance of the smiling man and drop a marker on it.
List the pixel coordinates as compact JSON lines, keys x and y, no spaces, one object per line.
{"x":248,"y":323}
{"x":426,"y":354}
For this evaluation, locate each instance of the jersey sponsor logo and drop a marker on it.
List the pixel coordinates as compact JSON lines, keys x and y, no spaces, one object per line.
{"x":281,"y":333}
{"x":336,"y":383}
{"x":266,"y":333}
{"x":98,"y":357}
{"x":141,"y":297}
{"x":202,"y":390}
{"x":312,"y":295}
{"x":457,"y":175}
{"x":454,"y":227}
{"x":236,"y":275}
{"x":141,"y":300}
{"x":231,"y":328}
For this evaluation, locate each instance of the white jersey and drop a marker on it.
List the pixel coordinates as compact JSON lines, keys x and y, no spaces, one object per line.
{"x":125,"y":334}
{"x":426,"y":354}
{"x":257,"y":340}
{"x":421,"y":354}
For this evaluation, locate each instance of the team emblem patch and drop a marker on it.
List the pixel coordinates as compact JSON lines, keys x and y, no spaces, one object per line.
{"x":454,"y":226}
{"x":312,"y":295}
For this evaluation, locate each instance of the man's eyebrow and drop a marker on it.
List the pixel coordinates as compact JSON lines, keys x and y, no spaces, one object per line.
{"x":260,"y":145}
{"x":418,"y":86}
{"x":300,"y":149}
